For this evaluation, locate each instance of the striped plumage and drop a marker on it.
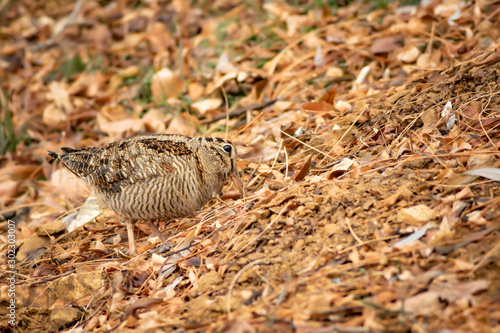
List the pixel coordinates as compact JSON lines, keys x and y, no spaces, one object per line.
{"x":153,"y":177}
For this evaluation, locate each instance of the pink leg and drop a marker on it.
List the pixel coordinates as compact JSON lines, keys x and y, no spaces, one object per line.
{"x":131,"y":242}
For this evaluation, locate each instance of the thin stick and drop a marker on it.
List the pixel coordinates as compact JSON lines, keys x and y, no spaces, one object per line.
{"x":305,"y":144}
{"x":352,"y":231}
{"x":233,"y":282}
{"x":261,"y":233}
{"x":70,"y":20}
{"x":227,"y":109}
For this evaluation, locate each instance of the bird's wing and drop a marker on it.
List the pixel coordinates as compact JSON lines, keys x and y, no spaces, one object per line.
{"x":117,"y":165}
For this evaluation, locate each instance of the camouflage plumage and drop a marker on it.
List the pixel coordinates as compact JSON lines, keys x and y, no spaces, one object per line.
{"x":153,"y":177}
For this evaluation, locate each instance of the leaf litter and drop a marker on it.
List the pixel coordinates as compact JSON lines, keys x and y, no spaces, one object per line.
{"x":368,"y":140}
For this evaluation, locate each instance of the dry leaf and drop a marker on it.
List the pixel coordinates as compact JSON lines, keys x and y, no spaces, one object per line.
{"x":318,"y":106}
{"x":416,"y":214}
{"x":299,"y":176}
{"x":208,"y":104}
{"x":164,"y":85}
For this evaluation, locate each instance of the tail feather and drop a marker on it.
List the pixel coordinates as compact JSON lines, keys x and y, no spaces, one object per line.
{"x":64,"y":158}
{"x":68,"y":150}
{"x":54,"y":155}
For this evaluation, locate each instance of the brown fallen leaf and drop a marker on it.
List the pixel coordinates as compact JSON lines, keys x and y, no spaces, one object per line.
{"x":416,"y":214}
{"x":318,"y":106}
{"x":329,"y":96}
{"x":383,"y":45}
{"x":235,"y":195}
{"x":141,"y":304}
{"x":165,"y":84}
{"x":8,"y":192}
{"x":303,"y":170}
{"x":491,"y":58}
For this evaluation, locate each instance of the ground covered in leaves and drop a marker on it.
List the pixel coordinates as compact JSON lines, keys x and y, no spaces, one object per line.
{"x":368,"y":137}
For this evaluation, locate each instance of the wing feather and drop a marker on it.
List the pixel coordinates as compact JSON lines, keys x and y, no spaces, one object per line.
{"x":117,"y":165}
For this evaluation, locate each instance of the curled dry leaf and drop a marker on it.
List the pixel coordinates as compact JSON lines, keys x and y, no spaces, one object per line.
{"x":488,"y":173}
{"x":409,"y":56}
{"x":155,"y":120}
{"x":164,"y":85}
{"x":208,"y":104}
{"x":184,"y":124}
{"x":195,"y":90}
{"x":58,"y":93}
{"x":87,"y":213}
{"x":54,"y":116}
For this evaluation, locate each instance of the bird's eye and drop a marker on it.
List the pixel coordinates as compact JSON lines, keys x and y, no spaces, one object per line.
{"x":227,"y":148}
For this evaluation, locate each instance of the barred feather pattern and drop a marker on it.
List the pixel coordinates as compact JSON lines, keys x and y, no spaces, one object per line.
{"x":158,"y":176}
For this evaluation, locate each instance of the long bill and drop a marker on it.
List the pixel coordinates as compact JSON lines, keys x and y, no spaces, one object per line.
{"x":238,"y":182}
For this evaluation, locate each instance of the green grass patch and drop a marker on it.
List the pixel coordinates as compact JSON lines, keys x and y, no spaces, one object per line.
{"x":9,"y":139}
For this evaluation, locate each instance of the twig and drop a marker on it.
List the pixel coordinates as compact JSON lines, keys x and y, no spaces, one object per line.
{"x":302,"y":142}
{"x":239,"y":111}
{"x":347,"y":249}
{"x":487,"y":258}
{"x":226,"y":104}
{"x":71,"y":18}
{"x":352,"y":232}
{"x":262,"y":232}
{"x":233,"y":282}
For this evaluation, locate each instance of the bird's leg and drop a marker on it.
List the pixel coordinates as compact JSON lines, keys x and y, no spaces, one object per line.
{"x":130,"y":233}
{"x":155,"y":230}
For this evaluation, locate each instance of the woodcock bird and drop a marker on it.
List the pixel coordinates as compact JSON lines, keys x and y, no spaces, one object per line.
{"x":150,"y":177}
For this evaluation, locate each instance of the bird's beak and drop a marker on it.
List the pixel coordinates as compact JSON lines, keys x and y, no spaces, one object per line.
{"x":237,"y":181}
